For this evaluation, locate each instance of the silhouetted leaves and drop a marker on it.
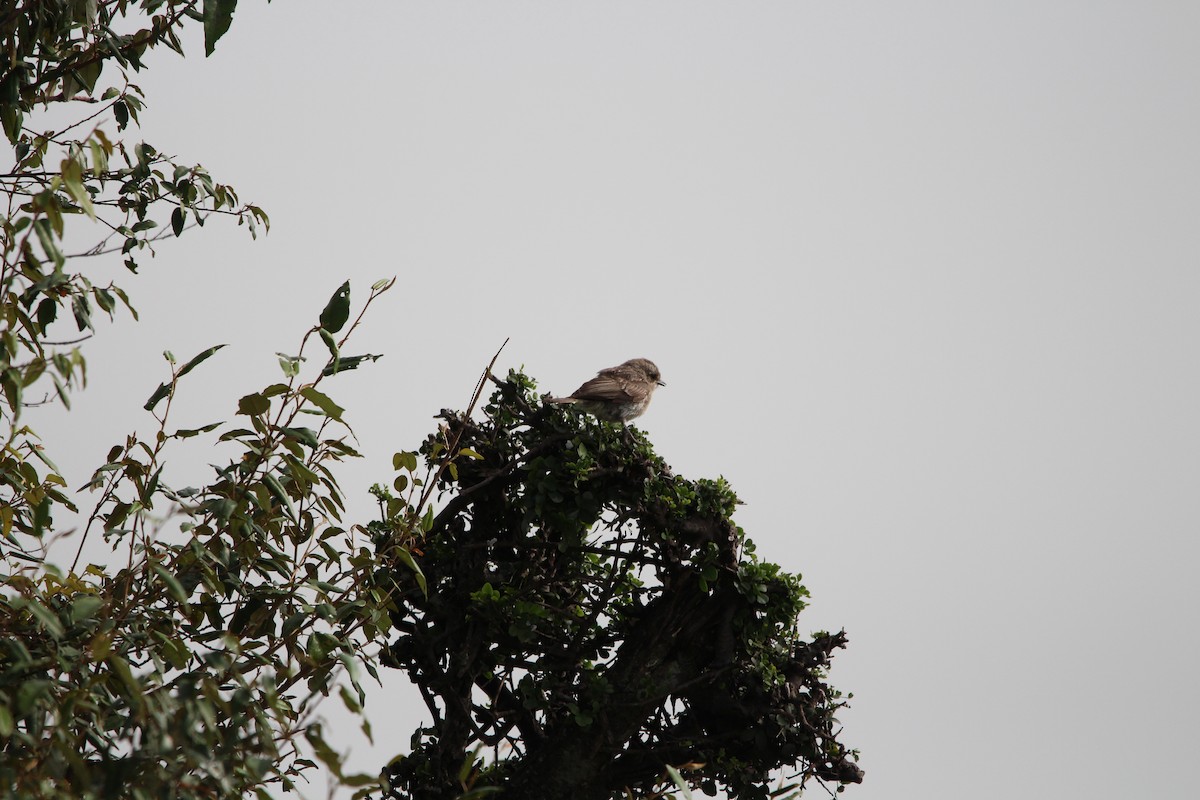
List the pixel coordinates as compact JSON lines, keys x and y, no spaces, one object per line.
{"x":178,"y":668}
{"x":603,"y":617}
{"x":337,"y":310}
{"x":218,"y":15}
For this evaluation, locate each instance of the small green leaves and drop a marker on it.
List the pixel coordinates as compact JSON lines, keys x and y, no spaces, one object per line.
{"x":289,"y":364}
{"x":405,"y":460}
{"x":337,"y":310}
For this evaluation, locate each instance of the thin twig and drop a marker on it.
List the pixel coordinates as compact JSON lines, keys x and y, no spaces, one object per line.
{"x":458,"y":436}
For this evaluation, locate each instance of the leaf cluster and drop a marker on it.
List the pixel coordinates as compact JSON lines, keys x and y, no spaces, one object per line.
{"x":195,"y":669}
{"x":68,"y":54}
{"x":192,"y":663}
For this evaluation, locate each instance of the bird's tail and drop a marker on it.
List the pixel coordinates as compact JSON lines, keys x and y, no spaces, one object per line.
{"x":561,"y":400}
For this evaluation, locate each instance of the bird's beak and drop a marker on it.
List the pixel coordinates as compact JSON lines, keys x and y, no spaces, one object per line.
{"x":660,"y":383}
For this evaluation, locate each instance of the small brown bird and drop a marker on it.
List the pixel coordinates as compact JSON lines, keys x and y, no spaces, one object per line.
{"x":617,"y":394}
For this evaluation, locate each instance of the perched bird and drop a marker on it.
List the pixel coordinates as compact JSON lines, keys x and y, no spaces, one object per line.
{"x":617,"y":394}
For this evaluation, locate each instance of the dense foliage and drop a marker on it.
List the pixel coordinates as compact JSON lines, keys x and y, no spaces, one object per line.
{"x":61,"y":55}
{"x":188,"y":664}
{"x":587,"y":620}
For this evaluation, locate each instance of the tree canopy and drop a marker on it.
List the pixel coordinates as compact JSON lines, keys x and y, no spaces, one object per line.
{"x":588,"y":619}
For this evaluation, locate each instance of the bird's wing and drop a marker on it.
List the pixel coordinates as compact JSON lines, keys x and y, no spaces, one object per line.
{"x":613,"y":384}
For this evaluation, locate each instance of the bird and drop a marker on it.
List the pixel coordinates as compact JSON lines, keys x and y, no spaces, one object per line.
{"x":617,"y":394}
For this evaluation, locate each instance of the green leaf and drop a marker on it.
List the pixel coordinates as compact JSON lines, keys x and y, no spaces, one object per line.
{"x":330,"y":342}
{"x":11,"y":118}
{"x":345,"y":363}
{"x":89,"y":73}
{"x":364,"y":779}
{"x":337,"y":310}
{"x":174,"y":587}
{"x":334,"y":354}
{"x":175,"y":650}
{"x":304,"y":435}
{"x":121,"y":114}
{"x":320,"y":645}
{"x":125,"y":299}
{"x":11,"y":380}
{"x":121,"y":667}
{"x":322,"y":401}
{"x":104,"y":299}
{"x":279,"y":493}
{"x":197,"y":360}
{"x":47,"y":618}
{"x":46,"y":237}
{"x":85,"y":607}
{"x":254,"y":404}
{"x":47,"y":310}
{"x":82,"y":310}
{"x":679,"y":781}
{"x":72,"y":175}
{"x":162,"y":391}
{"x":411,"y":563}
{"x":218,"y":14}
{"x":187,"y":433}
{"x":293,"y":623}
{"x":178,"y":218}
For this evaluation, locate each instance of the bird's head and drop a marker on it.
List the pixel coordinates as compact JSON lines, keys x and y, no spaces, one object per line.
{"x":647,"y":368}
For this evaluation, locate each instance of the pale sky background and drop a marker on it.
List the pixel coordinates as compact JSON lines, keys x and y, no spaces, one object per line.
{"x":922,"y":279}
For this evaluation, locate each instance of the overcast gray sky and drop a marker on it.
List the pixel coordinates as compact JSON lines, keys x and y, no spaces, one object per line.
{"x":921,"y":277}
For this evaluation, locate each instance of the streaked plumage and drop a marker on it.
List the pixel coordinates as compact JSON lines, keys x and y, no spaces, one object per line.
{"x":618,"y":394}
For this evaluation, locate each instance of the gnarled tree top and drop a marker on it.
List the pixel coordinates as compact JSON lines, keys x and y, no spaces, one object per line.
{"x":591,"y":619}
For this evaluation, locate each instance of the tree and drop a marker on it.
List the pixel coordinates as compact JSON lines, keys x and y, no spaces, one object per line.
{"x":190,"y":665}
{"x":584,"y":623}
